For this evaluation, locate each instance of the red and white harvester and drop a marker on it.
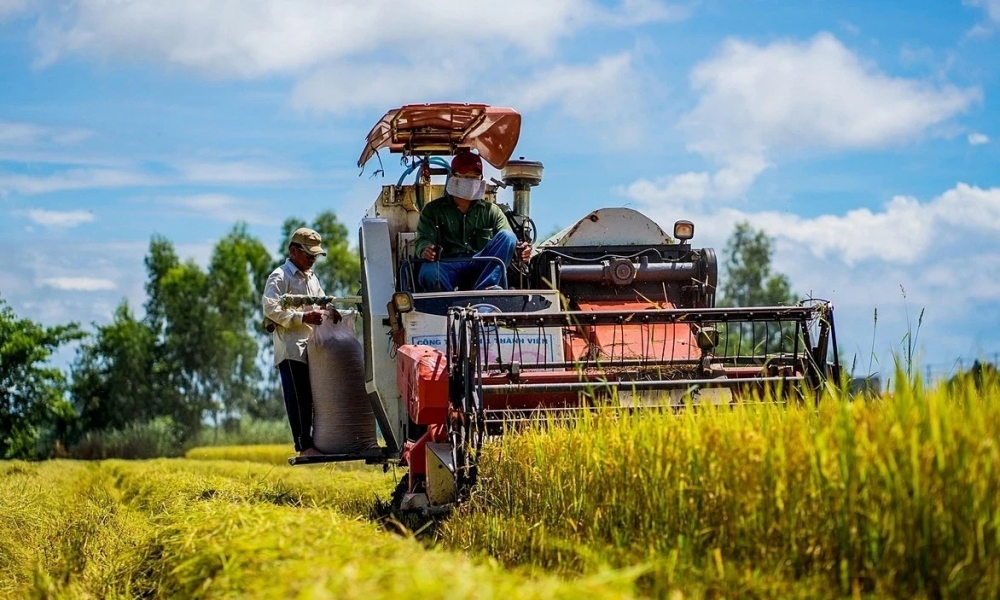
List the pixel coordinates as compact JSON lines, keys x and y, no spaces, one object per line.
{"x":610,"y":312}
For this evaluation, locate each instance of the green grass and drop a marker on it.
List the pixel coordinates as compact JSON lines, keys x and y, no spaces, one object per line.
{"x":156,"y":438}
{"x":245,"y":432}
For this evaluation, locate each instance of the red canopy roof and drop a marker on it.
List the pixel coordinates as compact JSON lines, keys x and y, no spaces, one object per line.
{"x":443,"y":128}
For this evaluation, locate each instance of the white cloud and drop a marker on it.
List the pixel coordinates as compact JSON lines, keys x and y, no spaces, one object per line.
{"x":758,"y":102}
{"x":979,"y":32}
{"x":683,"y":188}
{"x":346,"y":55}
{"x":226,"y":208}
{"x":19,"y":133}
{"x":10,"y":8}
{"x":992,"y":8}
{"x":904,"y":232}
{"x":942,"y":251}
{"x":728,"y":182}
{"x":235,"y":172}
{"x":978,"y":139}
{"x":814,"y":94}
{"x":637,"y":12}
{"x":58,"y":218}
{"x":250,"y":38}
{"x":564,"y":83}
{"x":73,"y":179}
{"x":604,"y":92}
{"x":79,"y":284}
{"x":69,"y":137}
{"x":29,"y":134}
{"x":901,"y":233}
{"x":344,"y":88}
{"x":64,"y":280}
{"x":58,"y":157}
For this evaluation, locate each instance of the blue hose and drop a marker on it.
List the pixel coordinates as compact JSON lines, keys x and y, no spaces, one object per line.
{"x":408,"y":170}
{"x":434,"y":160}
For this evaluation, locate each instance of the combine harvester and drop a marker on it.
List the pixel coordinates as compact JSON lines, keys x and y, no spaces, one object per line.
{"x":609,"y":312}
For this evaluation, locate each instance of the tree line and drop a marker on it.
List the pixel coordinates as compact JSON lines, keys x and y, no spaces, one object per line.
{"x":199,"y":353}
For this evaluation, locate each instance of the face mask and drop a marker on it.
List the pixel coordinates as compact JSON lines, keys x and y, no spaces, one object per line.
{"x":469,"y":189}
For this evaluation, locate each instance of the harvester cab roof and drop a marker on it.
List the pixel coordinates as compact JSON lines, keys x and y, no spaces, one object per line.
{"x":611,"y":313}
{"x":443,"y":129}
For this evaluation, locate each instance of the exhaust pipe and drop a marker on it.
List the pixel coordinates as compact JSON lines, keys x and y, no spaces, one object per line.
{"x":522,"y":175}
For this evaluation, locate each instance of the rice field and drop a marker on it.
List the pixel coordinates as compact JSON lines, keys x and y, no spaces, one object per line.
{"x":276,"y":454}
{"x":893,"y":497}
{"x":192,"y":529}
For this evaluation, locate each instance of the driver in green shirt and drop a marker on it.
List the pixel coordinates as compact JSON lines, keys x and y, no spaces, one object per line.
{"x":459,"y":225}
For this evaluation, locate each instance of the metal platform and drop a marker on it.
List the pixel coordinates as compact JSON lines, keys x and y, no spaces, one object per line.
{"x":375,"y":456}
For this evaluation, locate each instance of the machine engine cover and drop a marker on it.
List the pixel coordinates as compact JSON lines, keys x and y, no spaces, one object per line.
{"x":422,"y":379}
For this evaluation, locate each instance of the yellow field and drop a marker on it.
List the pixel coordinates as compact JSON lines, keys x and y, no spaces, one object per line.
{"x":888,"y":498}
{"x":892,"y":497}
{"x":272,"y":455}
{"x":188,"y":529}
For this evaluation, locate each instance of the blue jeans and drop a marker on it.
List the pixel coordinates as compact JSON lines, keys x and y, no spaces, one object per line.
{"x":446,"y":276}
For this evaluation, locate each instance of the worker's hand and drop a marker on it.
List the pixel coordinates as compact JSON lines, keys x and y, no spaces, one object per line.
{"x":430,"y":253}
{"x":334,"y":314}
{"x":312,"y":317}
{"x":524,"y":250}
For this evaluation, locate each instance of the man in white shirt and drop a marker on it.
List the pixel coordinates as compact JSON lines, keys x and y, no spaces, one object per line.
{"x":291,"y":331}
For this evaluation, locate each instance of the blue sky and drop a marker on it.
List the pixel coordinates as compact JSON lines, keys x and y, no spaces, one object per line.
{"x":863,"y":136}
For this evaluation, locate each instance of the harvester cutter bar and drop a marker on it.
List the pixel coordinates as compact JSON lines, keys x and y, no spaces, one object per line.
{"x":585,"y":366}
{"x":633,"y":385}
{"x":639,"y":317}
{"x":495,"y":417}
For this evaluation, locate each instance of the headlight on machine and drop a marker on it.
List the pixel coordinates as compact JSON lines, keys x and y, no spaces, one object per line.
{"x":683,"y":230}
{"x":402,"y":302}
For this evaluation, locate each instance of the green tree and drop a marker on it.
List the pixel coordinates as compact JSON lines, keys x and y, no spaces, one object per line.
{"x":239,"y":268}
{"x":748,"y":280}
{"x":188,"y":347}
{"x":32,"y":394}
{"x":339,"y":272}
{"x":160,"y":259}
{"x":207,"y":349}
{"x":132,"y":371}
{"x":172,"y":309}
{"x":237,"y":273}
{"x":114,"y":374}
{"x":195,"y":353}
